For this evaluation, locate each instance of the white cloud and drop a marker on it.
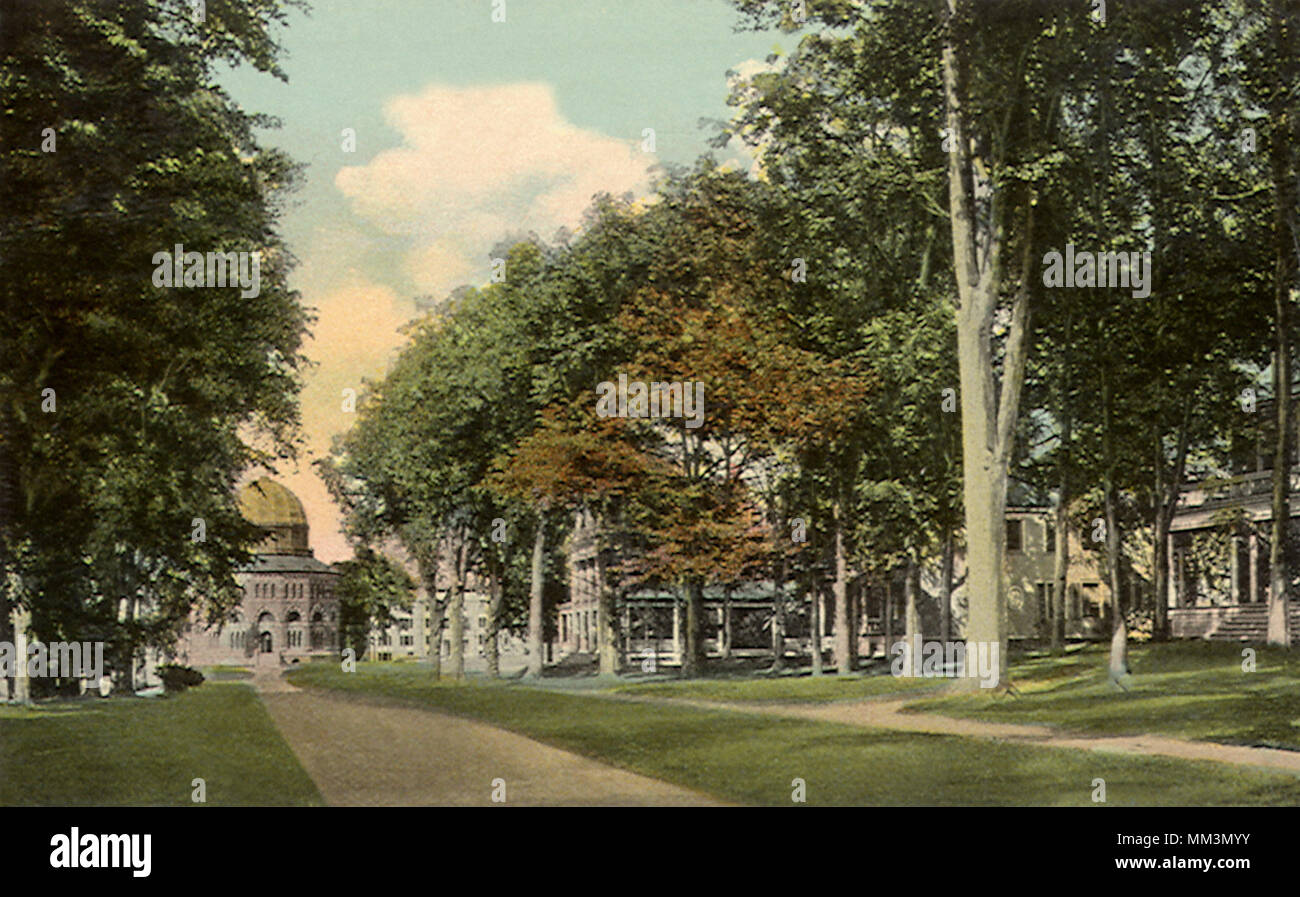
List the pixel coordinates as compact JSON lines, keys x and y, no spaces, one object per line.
{"x":748,"y":68}
{"x":744,"y":156}
{"x":478,"y":163}
{"x":474,"y":166}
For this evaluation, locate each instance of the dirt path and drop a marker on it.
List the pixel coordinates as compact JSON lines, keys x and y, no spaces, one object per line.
{"x":886,"y":713}
{"x":369,"y":754}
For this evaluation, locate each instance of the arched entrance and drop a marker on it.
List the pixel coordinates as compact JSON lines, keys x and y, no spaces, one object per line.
{"x":265,"y":641}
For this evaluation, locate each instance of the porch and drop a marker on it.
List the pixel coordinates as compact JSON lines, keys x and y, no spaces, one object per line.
{"x":1218,"y":559}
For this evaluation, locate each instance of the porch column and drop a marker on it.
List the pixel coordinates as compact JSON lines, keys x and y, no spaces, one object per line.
{"x":1234,"y":570}
{"x":1254,"y":567}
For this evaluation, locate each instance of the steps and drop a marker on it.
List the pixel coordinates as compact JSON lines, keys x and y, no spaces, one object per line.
{"x":1230,"y":623}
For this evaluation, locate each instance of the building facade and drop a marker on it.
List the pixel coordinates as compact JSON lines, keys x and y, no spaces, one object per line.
{"x":651,"y":620}
{"x":737,"y":621}
{"x":1030,"y":580}
{"x":1218,"y":554}
{"x":289,"y":610}
{"x":409,"y":636}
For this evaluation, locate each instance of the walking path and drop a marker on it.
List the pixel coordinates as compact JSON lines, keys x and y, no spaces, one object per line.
{"x":361,"y":753}
{"x":886,"y":713}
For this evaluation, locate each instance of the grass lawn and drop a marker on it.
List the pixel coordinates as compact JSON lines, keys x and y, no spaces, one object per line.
{"x":147,"y":751}
{"x":782,"y":689}
{"x":752,"y":759}
{"x":1190,"y":689}
{"x":224,"y":673}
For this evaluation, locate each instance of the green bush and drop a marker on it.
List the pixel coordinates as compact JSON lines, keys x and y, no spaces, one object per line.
{"x":177,"y":678}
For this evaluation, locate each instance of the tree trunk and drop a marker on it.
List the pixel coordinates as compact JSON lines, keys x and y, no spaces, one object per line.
{"x":437,"y":613}
{"x":843,"y":665}
{"x":1160,"y":580}
{"x":945,"y":585}
{"x":129,"y":678}
{"x":1061,"y":572}
{"x":988,"y":411}
{"x":888,"y":623}
{"x":693,"y":661}
{"x":1160,"y":552}
{"x":456,"y":611}
{"x":855,"y":620}
{"x":985,"y":496}
{"x":815,"y":625}
{"x":6,"y":621}
{"x":606,"y":634}
{"x":22,"y":693}
{"x":8,"y":571}
{"x":1278,"y":576}
{"x":725,"y":647}
{"x":911,"y":615}
{"x":1282,"y":169}
{"x":1119,"y":641}
{"x":1166,"y":504}
{"x":491,"y":650}
{"x":426,"y":554}
{"x":536,"y":611}
{"x":778,"y":619}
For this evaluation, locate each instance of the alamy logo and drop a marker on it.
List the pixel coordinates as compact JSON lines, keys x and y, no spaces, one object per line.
{"x":77,"y":851}
{"x":658,"y":400}
{"x":953,"y":660}
{"x":218,"y":269}
{"x":75,"y":660}
{"x":1108,"y":270}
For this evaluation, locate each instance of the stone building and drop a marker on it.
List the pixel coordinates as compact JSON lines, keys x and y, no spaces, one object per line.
{"x":289,"y":611}
{"x":410,"y":634}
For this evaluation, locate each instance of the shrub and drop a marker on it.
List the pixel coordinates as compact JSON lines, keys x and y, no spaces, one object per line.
{"x":177,"y":678}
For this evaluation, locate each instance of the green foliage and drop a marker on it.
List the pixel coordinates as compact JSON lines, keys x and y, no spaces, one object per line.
{"x":370,"y":587}
{"x":176,"y":678}
{"x":164,"y":396}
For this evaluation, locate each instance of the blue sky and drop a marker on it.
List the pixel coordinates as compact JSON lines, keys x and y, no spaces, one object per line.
{"x":466,"y":130}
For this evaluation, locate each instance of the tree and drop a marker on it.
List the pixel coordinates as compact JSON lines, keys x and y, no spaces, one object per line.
{"x":127,"y":408}
{"x":370,"y":587}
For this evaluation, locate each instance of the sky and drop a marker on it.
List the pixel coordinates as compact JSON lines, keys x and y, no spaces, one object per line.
{"x":431,"y":133}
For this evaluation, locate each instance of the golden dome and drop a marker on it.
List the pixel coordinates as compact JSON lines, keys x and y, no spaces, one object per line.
{"x":267,"y":504}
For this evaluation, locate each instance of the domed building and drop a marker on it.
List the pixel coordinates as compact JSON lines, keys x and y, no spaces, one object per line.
{"x":289,"y":611}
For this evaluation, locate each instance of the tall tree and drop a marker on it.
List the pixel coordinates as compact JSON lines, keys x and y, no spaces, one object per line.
{"x":128,"y":408}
